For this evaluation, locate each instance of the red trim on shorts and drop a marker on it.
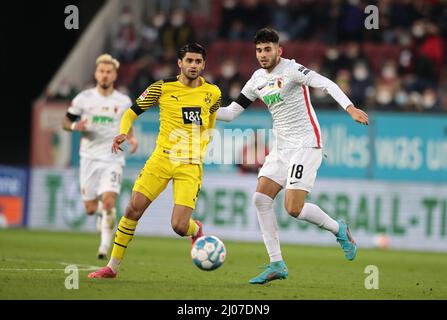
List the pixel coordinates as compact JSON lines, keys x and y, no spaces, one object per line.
{"x":306,"y":98}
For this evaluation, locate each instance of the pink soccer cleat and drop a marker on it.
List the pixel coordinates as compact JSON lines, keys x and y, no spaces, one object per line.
{"x":199,"y":233}
{"x":105,"y":272}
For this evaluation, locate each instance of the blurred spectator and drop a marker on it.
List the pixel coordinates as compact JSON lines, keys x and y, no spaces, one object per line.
{"x":229,"y":81}
{"x":143,"y":78}
{"x":292,"y":22}
{"x":399,"y":67}
{"x":351,"y":22}
{"x":176,"y":33}
{"x":362,"y":85}
{"x":125,"y":47}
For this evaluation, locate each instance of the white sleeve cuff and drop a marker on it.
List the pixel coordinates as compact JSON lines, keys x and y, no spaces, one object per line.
{"x":229,"y":113}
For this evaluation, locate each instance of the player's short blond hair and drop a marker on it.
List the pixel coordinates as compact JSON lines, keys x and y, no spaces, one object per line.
{"x":107,"y":58}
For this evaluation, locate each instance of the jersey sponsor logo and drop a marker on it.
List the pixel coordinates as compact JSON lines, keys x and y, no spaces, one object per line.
{"x":143,"y":95}
{"x":271,"y":99}
{"x":192,"y":115}
{"x":101,"y":120}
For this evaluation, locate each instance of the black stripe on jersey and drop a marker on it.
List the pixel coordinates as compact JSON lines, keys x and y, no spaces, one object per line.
{"x":135,"y":108}
{"x":170,"y":79}
{"x":72,"y":117}
{"x":243,"y":101}
{"x":216,"y":106}
{"x":153,"y":93}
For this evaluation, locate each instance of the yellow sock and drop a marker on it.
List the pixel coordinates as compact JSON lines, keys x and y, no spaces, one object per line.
{"x":124,"y":233}
{"x":193,"y":228}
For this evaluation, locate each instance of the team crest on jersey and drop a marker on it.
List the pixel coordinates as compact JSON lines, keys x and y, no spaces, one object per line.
{"x":208,"y":98}
{"x":279,"y":82}
{"x":143,"y":95}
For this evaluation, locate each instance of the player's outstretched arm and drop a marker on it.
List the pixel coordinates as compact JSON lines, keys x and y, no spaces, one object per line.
{"x":357,"y":115}
{"x":328,"y":86}
{"x":230,"y":112}
{"x":117,"y":142}
{"x":127,"y":120}
{"x":132,"y":141}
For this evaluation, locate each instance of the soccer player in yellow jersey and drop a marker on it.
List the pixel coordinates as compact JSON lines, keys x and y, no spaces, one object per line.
{"x":188,"y":106}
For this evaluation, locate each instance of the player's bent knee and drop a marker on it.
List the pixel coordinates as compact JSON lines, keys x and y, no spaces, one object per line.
{"x":90,"y":209}
{"x":179,"y":228}
{"x":133,"y":212}
{"x":108,"y":204}
{"x":262,"y":202}
{"x":294,"y":210}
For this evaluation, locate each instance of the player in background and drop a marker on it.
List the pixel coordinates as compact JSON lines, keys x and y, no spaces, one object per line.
{"x":188,"y":106}
{"x":96,"y":113}
{"x":282,"y":84}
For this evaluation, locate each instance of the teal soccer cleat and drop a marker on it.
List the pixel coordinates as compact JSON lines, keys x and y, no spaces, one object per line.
{"x":346,"y":241}
{"x":275,"y":270}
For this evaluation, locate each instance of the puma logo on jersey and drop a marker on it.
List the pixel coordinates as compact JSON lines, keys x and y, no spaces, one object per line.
{"x":172,"y":96}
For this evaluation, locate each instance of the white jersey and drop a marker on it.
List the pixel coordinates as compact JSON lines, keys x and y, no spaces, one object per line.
{"x":103,"y":116}
{"x":285,"y":92}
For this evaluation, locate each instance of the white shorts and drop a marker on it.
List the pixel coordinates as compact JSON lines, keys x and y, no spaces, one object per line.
{"x":97,"y":177}
{"x":293,"y":168}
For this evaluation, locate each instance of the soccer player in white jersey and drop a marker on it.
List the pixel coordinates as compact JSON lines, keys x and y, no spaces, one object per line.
{"x":293,"y":163}
{"x":96,"y":113}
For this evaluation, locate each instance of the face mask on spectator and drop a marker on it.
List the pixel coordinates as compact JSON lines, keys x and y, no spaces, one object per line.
{"x":428,"y":99}
{"x":401,"y":98}
{"x":360,"y":72}
{"x":384,"y":96}
{"x":332,"y":54}
{"x":159,"y":20}
{"x":228,"y":70}
{"x":229,"y":4}
{"x":177,"y":19}
{"x":389,"y":72}
{"x":418,"y":30}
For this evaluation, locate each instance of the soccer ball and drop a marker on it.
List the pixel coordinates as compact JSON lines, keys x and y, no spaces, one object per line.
{"x":208,"y":253}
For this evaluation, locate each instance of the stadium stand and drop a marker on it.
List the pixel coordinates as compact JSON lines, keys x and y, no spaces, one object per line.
{"x":399,"y":67}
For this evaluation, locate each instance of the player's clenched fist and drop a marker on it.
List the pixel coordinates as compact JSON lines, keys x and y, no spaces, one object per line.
{"x":117,"y":142}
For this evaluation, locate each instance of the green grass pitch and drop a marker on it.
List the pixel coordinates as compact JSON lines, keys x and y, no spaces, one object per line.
{"x":32,"y":267}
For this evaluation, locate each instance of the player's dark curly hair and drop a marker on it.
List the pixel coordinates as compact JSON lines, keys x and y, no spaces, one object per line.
{"x":265,"y":35}
{"x":191,"y":47}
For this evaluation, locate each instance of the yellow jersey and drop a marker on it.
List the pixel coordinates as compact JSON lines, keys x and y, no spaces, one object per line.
{"x":187,"y":117}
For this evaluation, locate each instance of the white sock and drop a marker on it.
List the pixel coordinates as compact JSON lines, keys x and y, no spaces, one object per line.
{"x":114,"y":264}
{"x":99,"y":209}
{"x":313,"y":214}
{"x":106,"y":230}
{"x":268,"y":224}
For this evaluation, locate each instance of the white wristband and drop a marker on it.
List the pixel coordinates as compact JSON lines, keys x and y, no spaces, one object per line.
{"x":73,"y":125}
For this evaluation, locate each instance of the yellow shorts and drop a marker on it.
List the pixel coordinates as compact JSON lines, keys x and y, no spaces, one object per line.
{"x":158,"y":171}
